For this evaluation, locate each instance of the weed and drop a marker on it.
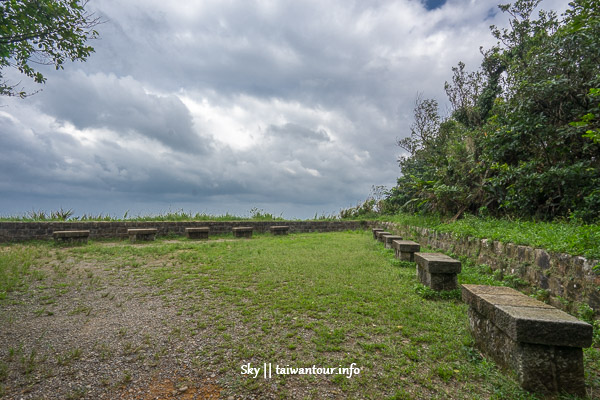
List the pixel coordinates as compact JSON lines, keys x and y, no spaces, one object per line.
{"x":126,"y":378}
{"x":3,"y":371}
{"x":68,"y":357}
{"x":429,"y":294}
{"x":78,"y":393}
{"x":81,"y":309}
{"x":445,"y":372}
{"x":329,"y":340}
{"x":540,"y":294}
{"x":29,"y":362}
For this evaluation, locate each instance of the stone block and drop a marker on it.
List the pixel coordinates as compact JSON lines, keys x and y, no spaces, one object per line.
{"x":541,"y":343}
{"x":375,"y":230}
{"x":438,"y":263}
{"x":388,"y":239}
{"x":438,"y":271}
{"x":437,"y":282}
{"x":242,"y":231}
{"x":280,"y":230}
{"x":197,"y":233}
{"x":143,"y":234}
{"x":79,"y":236}
{"x":379,"y":235}
{"x":498,"y":247}
{"x":405,"y":249}
{"x":542,"y":258}
{"x":510,"y":250}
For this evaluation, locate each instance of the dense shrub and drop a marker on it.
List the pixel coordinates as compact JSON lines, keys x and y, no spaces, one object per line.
{"x":523,"y":136}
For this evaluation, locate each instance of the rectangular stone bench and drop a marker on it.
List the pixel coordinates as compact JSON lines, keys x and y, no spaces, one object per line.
{"x":280,"y":230}
{"x":242,"y":231}
{"x":145,"y":234}
{"x":71,"y":236}
{"x":541,"y":343}
{"x":379,"y":235}
{"x":375,"y":230}
{"x":197,"y":233}
{"x":405,"y":249}
{"x":437,"y":270}
{"x":388,"y":239}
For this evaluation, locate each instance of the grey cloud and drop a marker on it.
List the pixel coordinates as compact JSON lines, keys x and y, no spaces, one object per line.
{"x":122,"y":105}
{"x":298,"y":132}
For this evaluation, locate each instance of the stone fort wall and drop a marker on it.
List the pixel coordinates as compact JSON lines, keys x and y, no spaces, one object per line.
{"x":22,"y":231}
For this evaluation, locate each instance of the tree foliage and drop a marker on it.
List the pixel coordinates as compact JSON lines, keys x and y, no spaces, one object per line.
{"x":42,"y":32}
{"x":523,"y":136}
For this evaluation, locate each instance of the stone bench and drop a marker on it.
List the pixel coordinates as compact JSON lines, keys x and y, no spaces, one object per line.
{"x":438,"y":271}
{"x":379,"y":234}
{"x":280,"y":230}
{"x":197,"y":233}
{"x":541,"y":343}
{"x":405,"y":249}
{"x":242,"y":231}
{"x":388,"y":239}
{"x":71,"y":236}
{"x":145,"y":234}
{"x":375,"y":230}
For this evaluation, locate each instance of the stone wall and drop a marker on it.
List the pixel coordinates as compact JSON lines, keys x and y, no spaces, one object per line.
{"x":21,"y":231}
{"x":568,"y":279}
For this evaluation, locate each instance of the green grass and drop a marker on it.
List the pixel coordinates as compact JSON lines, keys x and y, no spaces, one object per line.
{"x":324,"y":299}
{"x":16,"y":265}
{"x":563,"y":237}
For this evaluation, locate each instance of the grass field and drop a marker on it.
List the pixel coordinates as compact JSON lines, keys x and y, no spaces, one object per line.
{"x":183,"y":319}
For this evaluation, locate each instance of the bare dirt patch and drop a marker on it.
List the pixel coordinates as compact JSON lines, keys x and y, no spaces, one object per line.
{"x":88,"y":330}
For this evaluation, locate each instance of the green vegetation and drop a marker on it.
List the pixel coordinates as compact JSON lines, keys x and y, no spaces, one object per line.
{"x":563,"y":237}
{"x":324,"y":299}
{"x":522,"y":138}
{"x":47,"y":32}
{"x":255,"y":214}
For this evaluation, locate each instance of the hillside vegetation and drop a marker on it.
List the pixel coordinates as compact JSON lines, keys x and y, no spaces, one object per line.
{"x":523,"y":136}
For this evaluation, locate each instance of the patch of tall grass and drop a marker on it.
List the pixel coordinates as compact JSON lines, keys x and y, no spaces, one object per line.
{"x":559,"y":236}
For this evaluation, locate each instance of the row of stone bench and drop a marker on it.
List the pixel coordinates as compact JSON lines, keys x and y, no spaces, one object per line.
{"x":145,"y":234}
{"x":436,"y":270}
{"x":542,"y":344}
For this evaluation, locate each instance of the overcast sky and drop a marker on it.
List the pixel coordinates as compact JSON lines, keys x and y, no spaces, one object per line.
{"x":293,"y":107}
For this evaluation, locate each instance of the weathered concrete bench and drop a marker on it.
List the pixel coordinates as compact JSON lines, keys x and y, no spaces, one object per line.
{"x":197,"y":233}
{"x":375,"y":230}
{"x":379,"y":235}
{"x":438,"y":271}
{"x":541,"y":343}
{"x":71,"y":236}
{"x":388,"y":239}
{"x":242,"y":231}
{"x":280,"y":230}
{"x":405,"y":249}
{"x":145,"y":234}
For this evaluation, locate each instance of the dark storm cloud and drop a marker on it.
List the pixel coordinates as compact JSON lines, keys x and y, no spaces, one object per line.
{"x":122,"y":105}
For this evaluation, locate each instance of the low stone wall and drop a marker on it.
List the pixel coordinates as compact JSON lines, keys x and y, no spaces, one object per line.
{"x":568,"y":279}
{"x":21,"y":231}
